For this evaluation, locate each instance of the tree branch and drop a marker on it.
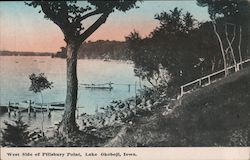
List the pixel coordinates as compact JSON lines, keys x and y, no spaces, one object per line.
{"x":58,"y":19}
{"x":101,"y":20}
{"x":221,"y":47}
{"x":232,"y":40}
{"x":95,"y":12}
{"x":239,"y":45}
{"x":230,"y":44}
{"x":49,"y":13}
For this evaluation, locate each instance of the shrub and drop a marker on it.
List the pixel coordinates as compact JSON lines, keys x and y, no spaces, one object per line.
{"x":16,"y":134}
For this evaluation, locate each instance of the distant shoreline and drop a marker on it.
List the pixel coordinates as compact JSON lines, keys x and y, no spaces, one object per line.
{"x":101,"y":49}
{"x":26,"y":55}
{"x":16,"y":53}
{"x":54,"y":57}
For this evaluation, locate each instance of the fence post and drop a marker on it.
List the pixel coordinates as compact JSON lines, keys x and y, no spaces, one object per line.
{"x":236,"y":68}
{"x":9,"y":108}
{"x":226,"y":72}
{"x":209,"y":80}
{"x":240,"y":65}
{"x":182,"y":90}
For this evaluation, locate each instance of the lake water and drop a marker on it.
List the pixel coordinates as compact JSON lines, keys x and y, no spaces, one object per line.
{"x":14,"y":83}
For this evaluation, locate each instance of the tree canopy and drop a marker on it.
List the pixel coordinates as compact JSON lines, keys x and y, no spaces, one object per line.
{"x":221,"y":7}
{"x":178,"y":51}
{"x":68,"y":15}
{"x":234,"y":13}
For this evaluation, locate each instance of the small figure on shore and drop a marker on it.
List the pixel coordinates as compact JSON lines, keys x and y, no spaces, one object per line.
{"x":49,"y":115}
{"x":110,"y":85}
{"x":19,"y":113}
{"x":34,"y":113}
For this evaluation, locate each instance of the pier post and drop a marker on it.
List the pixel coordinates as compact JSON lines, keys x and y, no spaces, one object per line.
{"x":34,"y":112}
{"x":29,"y":108}
{"x":9,"y":109}
{"x":48,"y":108}
{"x":49,"y":114}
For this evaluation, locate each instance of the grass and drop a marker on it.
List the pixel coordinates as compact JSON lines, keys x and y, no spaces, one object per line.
{"x":216,"y":115}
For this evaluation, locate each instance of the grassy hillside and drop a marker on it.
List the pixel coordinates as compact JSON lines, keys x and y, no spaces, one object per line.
{"x":216,"y":115}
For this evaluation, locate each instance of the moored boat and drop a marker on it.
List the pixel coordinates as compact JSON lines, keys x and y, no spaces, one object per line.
{"x":50,"y":106}
{"x":99,"y":86}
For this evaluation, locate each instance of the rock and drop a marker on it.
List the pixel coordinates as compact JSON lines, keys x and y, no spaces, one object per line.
{"x":156,"y":103}
{"x":165,"y":113}
{"x":148,"y":102}
{"x":112,"y":118}
{"x":119,"y":138}
{"x":106,"y":121}
{"x":149,"y":107}
{"x":163,"y":95}
{"x":94,"y":129}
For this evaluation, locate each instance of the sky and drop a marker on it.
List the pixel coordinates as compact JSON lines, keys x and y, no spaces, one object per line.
{"x":22,"y":28}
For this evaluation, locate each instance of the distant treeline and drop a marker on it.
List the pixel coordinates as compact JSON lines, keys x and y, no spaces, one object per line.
{"x":15,"y":53}
{"x":101,"y":49}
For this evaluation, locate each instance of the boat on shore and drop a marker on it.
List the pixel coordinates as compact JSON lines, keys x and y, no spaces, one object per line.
{"x":50,"y":106}
{"x":23,"y":105}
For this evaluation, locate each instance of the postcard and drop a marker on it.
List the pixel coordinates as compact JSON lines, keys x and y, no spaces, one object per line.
{"x":125,"y":79}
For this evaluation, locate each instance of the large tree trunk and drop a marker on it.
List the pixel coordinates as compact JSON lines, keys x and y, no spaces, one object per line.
{"x":68,"y":124}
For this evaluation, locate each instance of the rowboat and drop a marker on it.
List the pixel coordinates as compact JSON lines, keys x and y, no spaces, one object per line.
{"x":19,"y":105}
{"x":50,"y":106}
{"x":99,"y":86}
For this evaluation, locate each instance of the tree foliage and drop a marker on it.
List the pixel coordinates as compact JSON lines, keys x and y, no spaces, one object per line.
{"x":179,"y":47}
{"x":17,"y":134}
{"x":236,"y":12}
{"x":217,"y":8}
{"x":39,"y":83}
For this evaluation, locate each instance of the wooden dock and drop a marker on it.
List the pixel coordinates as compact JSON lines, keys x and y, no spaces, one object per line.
{"x":29,"y":106}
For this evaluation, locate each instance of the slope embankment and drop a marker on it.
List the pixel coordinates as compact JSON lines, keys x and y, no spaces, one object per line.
{"x":215,"y":115}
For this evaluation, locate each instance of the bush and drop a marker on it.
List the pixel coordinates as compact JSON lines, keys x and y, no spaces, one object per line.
{"x":17,"y":134}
